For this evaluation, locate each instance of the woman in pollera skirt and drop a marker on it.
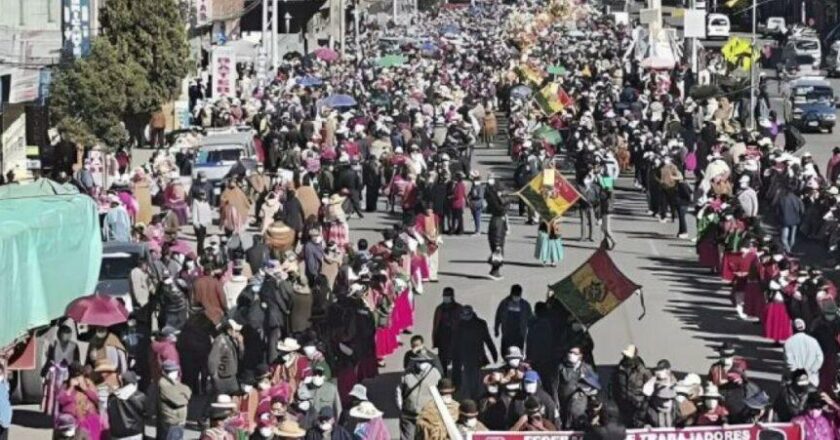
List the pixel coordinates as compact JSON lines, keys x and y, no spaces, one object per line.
{"x":549,"y":248}
{"x":777,"y":323}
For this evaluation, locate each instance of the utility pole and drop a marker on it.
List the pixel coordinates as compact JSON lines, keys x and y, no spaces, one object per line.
{"x":395,"y":12}
{"x":752,"y":69}
{"x":265,"y":41}
{"x":342,"y":27}
{"x":356,"y":28}
{"x":275,"y":31}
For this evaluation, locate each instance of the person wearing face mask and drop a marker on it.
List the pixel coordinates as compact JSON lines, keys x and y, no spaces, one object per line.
{"x":326,"y":428}
{"x":512,"y":317}
{"x":568,"y":375}
{"x":414,"y":392}
{"x":430,"y":424}
{"x":792,"y":397}
{"x":217,"y":429}
{"x":106,"y":347}
{"x":814,"y":420}
{"x":173,"y":399}
{"x":662,"y":410}
{"x":126,"y":410}
{"x":747,"y":199}
{"x":534,"y":419}
{"x":208,"y":291}
{"x":826,"y":329}
{"x":290,"y":367}
{"x":628,"y":381}
{"x":302,"y":409}
{"x":712,"y":412}
{"x":324,"y":392}
{"x":316,"y":358}
{"x":265,"y":429}
{"x":532,"y":387}
{"x":727,"y":362}
{"x":468,"y":418}
{"x":495,"y":405}
{"x":802,"y":351}
{"x":418,"y":349}
{"x":470,"y":338}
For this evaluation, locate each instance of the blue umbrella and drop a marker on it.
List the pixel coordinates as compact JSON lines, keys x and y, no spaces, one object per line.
{"x":428,"y":47}
{"x":309,"y":81}
{"x":339,"y":101}
{"x":450,"y":29}
{"x":521,"y":92}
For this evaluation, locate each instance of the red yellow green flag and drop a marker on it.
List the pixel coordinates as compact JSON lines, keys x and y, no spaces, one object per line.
{"x":552,"y":99}
{"x":531,"y":74}
{"x":594,"y":289}
{"x":549,"y":194}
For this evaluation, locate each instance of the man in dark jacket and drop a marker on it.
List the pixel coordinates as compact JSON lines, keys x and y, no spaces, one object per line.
{"x":292,"y":213}
{"x":540,"y":345}
{"x":610,"y":427}
{"x":276,"y":294}
{"x":223,"y":361}
{"x":257,"y":254}
{"x":372,"y":180}
{"x":468,"y":356}
{"x":326,"y":428}
{"x":446,"y":317}
{"x":126,"y":408}
{"x":348,"y":180}
{"x":532,"y":387}
{"x":790,"y":211}
{"x":568,"y":377}
{"x":627,"y":383}
{"x":793,"y":395}
{"x":512,"y":317}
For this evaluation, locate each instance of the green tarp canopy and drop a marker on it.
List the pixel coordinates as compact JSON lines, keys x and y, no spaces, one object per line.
{"x":50,"y":253}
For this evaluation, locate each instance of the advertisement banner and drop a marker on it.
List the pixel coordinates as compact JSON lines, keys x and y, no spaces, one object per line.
{"x":770,"y":431}
{"x":25,"y":85}
{"x":223,"y":72}
{"x":76,"y":27}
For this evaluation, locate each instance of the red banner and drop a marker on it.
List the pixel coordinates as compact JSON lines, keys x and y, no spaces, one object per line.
{"x":770,"y":431}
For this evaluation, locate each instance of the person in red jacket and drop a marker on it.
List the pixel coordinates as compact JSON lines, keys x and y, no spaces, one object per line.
{"x":457,"y":200}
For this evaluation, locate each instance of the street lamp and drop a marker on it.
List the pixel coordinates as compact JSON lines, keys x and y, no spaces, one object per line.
{"x":288,"y":19}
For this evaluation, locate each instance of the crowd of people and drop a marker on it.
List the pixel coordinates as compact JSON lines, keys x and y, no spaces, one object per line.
{"x":279,"y":318}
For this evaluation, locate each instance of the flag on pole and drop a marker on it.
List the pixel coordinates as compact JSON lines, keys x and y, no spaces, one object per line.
{"x":531,"y":74}
{"x":552,"y":99}
{"x":549,"y":194}
{"x":594,"y":289}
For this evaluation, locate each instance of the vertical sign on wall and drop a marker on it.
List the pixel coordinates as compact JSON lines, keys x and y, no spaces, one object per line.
{"x":203,"y":12}
{"x":224,"y":71}
{"x":76,"y":27}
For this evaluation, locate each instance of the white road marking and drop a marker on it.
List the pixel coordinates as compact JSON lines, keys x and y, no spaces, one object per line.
{"x":653,"y":248}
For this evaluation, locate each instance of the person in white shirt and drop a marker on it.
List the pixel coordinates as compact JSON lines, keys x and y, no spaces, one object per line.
{"x":202,"y":218}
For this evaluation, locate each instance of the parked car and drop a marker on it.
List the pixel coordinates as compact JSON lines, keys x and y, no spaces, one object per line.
{"x":218,"y":153}
{"x":717,"y":26}
{"x":773,"y":27}
{"x":118,"y":259}
{"x":809,"y":104}
{"x":805,"y":45}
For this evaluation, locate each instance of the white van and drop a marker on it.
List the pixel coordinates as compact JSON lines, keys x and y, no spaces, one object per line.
{"x":218,"y":153}
{"x":718,"y":26}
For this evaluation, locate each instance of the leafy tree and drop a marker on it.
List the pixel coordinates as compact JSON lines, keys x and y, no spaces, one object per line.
{"x":91,"y":97}
{"x":152,"y":33}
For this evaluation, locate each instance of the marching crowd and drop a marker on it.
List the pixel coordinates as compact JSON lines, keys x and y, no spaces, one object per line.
{"x":279,"y":335}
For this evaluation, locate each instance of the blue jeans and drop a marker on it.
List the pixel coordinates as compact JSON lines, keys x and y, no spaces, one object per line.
{"x":476,"y":214}
{"x":789,"y":237}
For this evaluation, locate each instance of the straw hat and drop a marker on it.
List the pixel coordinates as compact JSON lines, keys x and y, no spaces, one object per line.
{"x":288,"y":345}
{"x":365,"y":410}
{"x":290,"y":428}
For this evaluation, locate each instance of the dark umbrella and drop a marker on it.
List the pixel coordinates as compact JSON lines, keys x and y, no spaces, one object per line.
{"x":705,"y":92}
{"x":97,"y":309}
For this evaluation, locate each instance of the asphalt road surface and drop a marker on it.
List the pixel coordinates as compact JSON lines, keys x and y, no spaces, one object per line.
{"x":688,"y":311}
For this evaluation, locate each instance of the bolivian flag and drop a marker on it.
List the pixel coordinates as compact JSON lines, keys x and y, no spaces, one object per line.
{"x":552,"y":99}
{"x":549,"y":194}
{"x":594,"y":290}
{"x":531,"y":74}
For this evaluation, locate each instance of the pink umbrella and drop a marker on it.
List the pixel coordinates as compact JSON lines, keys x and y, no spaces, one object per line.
{"x":97,"y":309}
{"x":326,"y":54}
